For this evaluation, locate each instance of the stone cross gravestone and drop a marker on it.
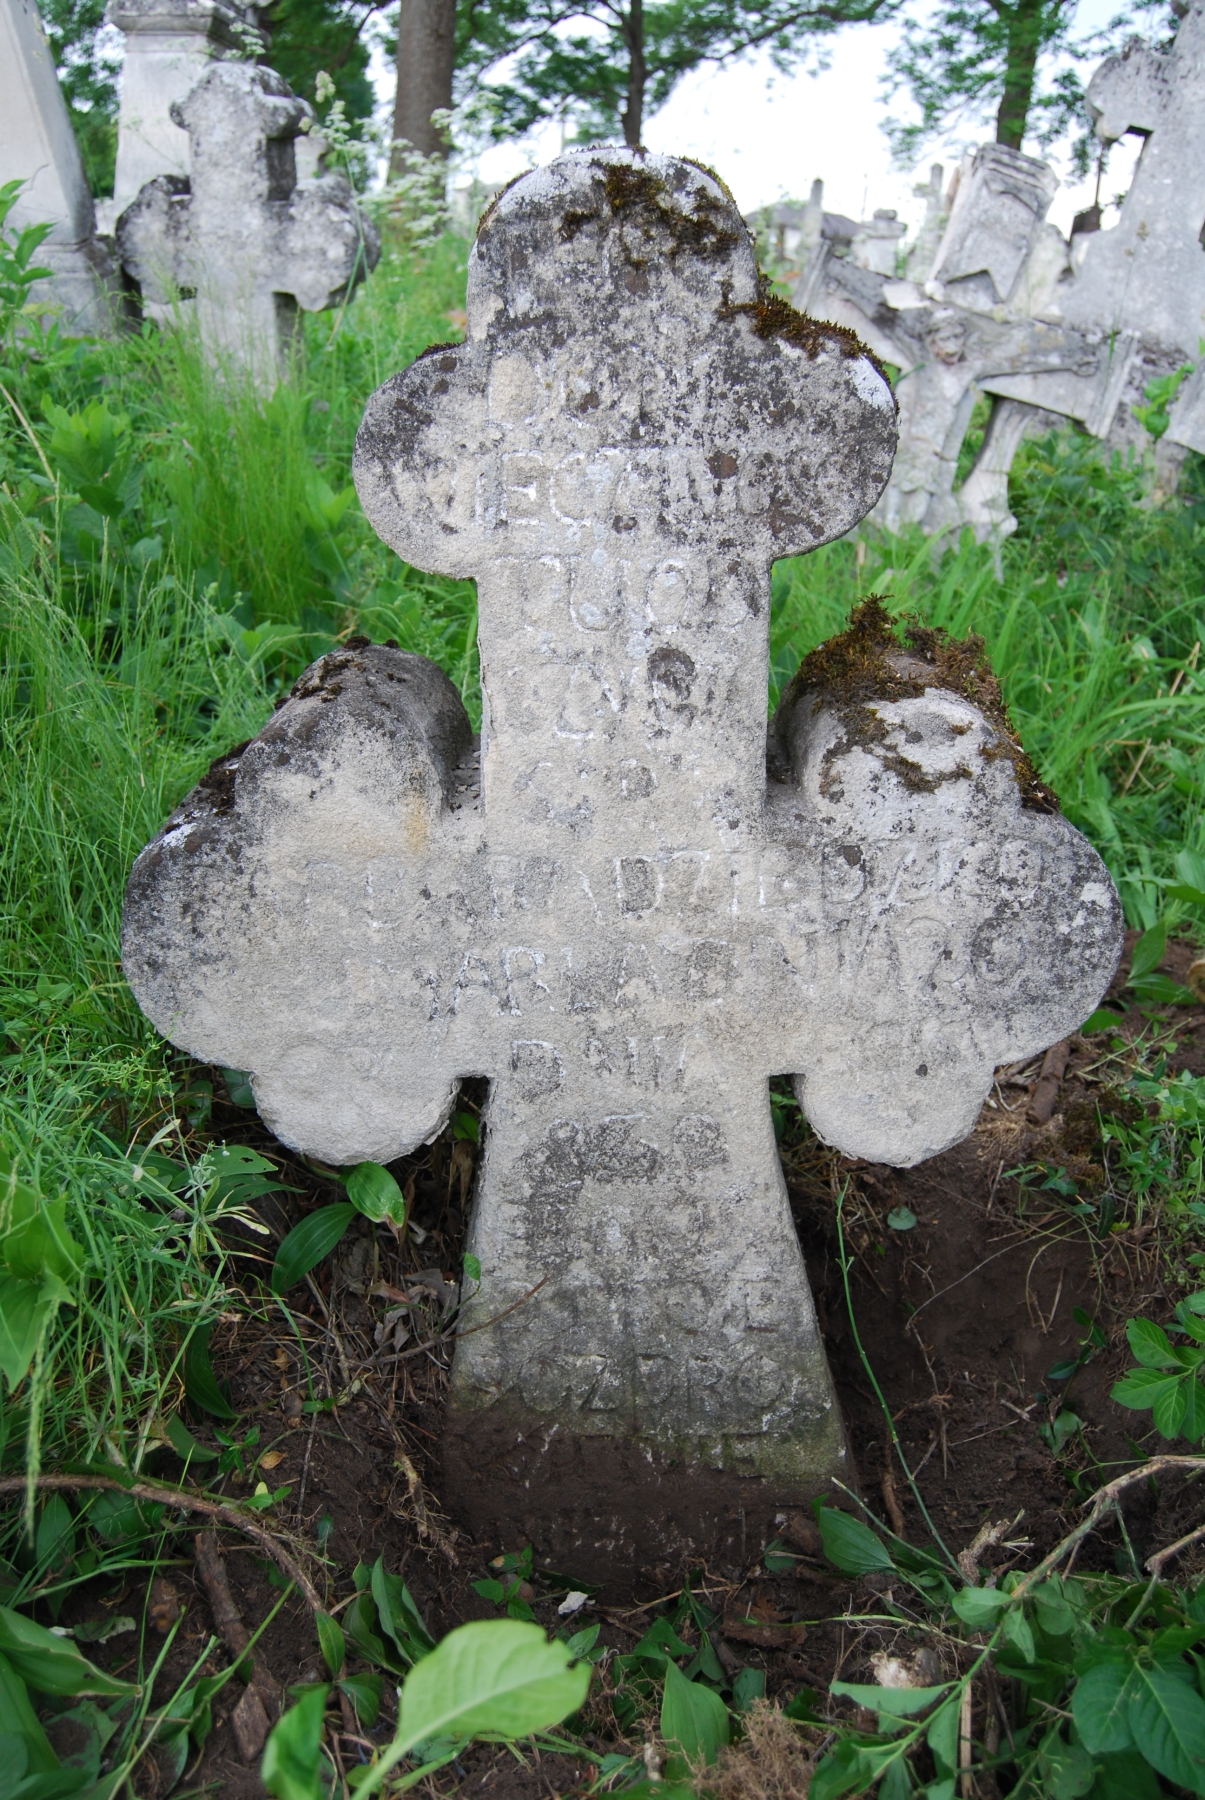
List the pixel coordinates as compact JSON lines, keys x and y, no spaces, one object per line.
{"x":628,"y":912}
{"x":169,"y":46}
{"x":38,"y":148}
{"x":252,"y":242}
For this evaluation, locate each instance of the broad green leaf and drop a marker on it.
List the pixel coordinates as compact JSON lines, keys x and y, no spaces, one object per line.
{"x":942,"y":1735}
{"x":238,"y":1086}
{"x":495,"y":1675}
{"x":51,"y":1664}
{"x":660,"y":1640}
{"x":19,"y":1722}
{"x":56,"y":1534}
{"x":1102,"y":1020}
{"x":398,"y":1614}
{"x":1193,"y":1424}
{"x":185,"y":1444}
{"x":360,"y":1622}
{"x":850,"y":1545}
{"x":1161,"y":990}
{"x":25,"y":1310}
{"x":1100,"y":1707}
{"x":472,"y":1267}
{"x":897,"y":1703}
{"x":199,"y":1382}
{"x":364,"y":1692}
{"x":308,"y":1243}
{"x":1149,"y":951}
{"x":292,"y":1754}
{"x":1167,"y":1719}
{"x":897,"y":1782}
{"x":373,"y":1191}
{"x":1125,"y":1776}
{"x":1019,"y":1633}
{"x":1150,"y":1344}
{"x":851,"y":1768}
{"x":694,"y":1718}
{"x":1169,"y":1407}
{"x":1055,"y":1616}
{"x":42,"y":1245}
{"x":901,"y":1218}
{"x":979,"y":1607}
{"x":331,"y":1642}
{"x":748,"y":1686}
{"x":1141,"y":1388}
{"x":236,"y":1160}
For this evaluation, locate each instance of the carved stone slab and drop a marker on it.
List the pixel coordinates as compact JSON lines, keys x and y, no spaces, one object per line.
{"x":38,"y":148}
{"x":618,"y":914}
{"x":252,"y":242}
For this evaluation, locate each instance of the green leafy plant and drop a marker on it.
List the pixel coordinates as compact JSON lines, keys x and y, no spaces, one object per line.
{"x":495,"y":1678}
{"x":18,"y":271}
{"x":371,"y":1191}
{"x":41,"y":1264}
{"x":1160,"y":396}
{"x":1168,"y":1383}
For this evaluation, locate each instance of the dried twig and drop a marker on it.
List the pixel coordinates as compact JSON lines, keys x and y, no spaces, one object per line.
{"x":228,"y":1620}
{"x":161,"y":1495}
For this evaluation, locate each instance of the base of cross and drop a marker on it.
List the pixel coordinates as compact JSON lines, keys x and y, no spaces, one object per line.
{"x":618,"y":1513}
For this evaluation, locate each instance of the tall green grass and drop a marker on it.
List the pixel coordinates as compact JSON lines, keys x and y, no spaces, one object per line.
{"x":173,"y":552}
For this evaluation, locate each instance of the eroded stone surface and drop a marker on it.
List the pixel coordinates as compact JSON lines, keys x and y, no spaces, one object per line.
{"x":169,"y":45}
{"x":614,"y":913}
{"x":38,"y":148}
{"x":242,"y":232}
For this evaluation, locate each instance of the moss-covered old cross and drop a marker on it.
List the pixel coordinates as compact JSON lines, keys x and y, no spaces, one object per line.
{"x":636,"y":919}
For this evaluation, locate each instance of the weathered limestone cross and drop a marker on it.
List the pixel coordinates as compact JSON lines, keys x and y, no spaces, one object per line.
{"x":627,"y":926}
{"x":241,"y":231}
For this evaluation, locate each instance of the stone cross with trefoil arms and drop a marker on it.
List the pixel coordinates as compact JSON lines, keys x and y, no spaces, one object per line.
{"x":633,"y":915}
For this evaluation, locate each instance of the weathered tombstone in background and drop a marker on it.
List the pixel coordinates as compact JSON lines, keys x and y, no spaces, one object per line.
{"x":629,"y":913}
{"x":1145,"y":276}
{"x":877,"y":245}
{"x":998,"y":211}
{"x":168,"y":49}
{"x":985,"y":321}
{"x":38,"y":147}
{"x":243,"y":234}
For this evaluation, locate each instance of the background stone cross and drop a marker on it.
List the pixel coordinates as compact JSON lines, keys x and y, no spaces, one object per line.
{"x":253,"y":243}
{"x":623,"y":917}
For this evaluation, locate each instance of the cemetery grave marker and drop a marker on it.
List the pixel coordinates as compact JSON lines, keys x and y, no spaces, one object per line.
{"x":169,"y":46}
{"x":252,"y":242}
{"x":632,"y":909}
{"x":38,"y":147}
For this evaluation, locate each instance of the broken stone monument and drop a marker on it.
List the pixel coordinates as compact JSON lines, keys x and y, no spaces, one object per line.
{"x":38,"y":148}
{"x":1143,"y":279}
{"x":252,"y":242}
{"x":628,"y":907}
{"x":985,"y":320}
{"x":169,"y":45}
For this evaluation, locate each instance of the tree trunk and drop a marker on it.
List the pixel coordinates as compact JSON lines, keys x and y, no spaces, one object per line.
{"x":1024,"y":42}
{"x":426,"y":57}
{"x":633,"y":116}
